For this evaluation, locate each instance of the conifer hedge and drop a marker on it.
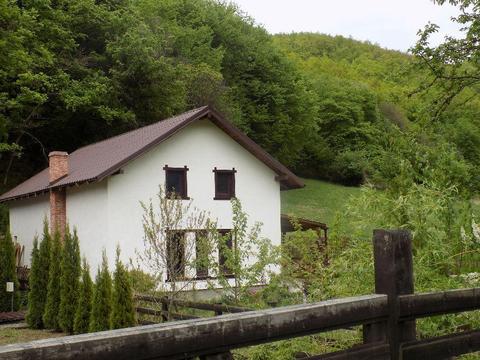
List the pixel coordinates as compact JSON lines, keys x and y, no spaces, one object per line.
{"x":8,"y":273}
{"x":38,"y":280}
{"x":123,"y":309}
{"x":69,"y":281}
{"x":100,"y":318}
{"x":50,"y":317}
{"x":84,"y":307}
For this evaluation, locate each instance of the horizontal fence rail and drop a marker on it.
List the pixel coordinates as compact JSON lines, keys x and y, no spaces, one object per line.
{"x":184,"y":339}
{"x":217,"y":308}
{"x":438,"y":303}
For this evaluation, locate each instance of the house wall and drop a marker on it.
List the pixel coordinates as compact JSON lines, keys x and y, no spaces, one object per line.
{"x":87,"y":212}
{"x":26,"y":221}
{"x":201,"y":147}
{"x":109,"y":213}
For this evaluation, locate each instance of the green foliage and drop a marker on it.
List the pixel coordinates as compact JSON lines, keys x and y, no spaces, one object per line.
{"x":38,"y":279}
{"x":84,"y":307}
{"x":246,"y":254}
{"x":100,"y":317}
{"x":8,"y":273}
{"x":142,"y":282}
{"x":52,"y":307}
{"x":69,"y":281}
{"x":123,"y":309}
{"x":303,"y":261}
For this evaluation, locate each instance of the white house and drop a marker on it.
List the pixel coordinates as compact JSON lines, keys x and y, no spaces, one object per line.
{"x":98,"y":188}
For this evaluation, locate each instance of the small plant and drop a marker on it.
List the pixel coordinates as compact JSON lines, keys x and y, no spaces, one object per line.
{"x":123,"y":309}
{"x":84,"y":306}
{"x":100,"y":318}
{"x":50,"y":317}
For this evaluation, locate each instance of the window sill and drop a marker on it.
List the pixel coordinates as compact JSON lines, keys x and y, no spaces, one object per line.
{"x":223,"y":197}
{"x":177,"y":198}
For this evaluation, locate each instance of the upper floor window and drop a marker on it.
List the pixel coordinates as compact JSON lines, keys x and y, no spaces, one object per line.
{"x":224,"y":184}
{"x":176,"y":182}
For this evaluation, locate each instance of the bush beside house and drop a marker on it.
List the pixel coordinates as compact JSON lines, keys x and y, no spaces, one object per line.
{"x":62,"y":295}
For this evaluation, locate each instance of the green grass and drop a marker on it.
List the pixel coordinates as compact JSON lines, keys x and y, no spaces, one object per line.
{"x":20,"y":335}
{"x":318,"y":200}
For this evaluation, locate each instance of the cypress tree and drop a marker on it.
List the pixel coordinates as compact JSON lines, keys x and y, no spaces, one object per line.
{"x":8,"y":273}
{"x":50,"y":316}
{"x":35,"y":313}
{"x":123,"y":310}
{"x":38,"y":280}
{"x":84,"y":306}
{"x":69,"y":281}
{"x":102,"y":299}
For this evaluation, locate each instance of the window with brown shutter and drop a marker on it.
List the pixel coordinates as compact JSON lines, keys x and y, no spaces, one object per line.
{"x":224,"y":184}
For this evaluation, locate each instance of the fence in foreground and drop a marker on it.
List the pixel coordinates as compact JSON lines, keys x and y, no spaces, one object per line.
{"x":388,"y":320}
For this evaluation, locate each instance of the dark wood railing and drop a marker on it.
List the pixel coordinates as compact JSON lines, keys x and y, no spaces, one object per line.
{"x":169,"y":308}
{"x":388,"y":320}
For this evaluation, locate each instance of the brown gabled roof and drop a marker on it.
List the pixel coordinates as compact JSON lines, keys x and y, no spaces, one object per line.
{"x":97,"y":161}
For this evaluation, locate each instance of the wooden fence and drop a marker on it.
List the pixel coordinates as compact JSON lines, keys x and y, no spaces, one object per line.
{"x":169,"y":308}
{"x":388,"y":320}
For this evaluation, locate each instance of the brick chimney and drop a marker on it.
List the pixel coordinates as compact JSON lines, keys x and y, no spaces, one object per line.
{"x":58,"y":168}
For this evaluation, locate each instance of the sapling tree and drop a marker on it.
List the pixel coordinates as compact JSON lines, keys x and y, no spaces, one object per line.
{"x":100,"y":317}
{"x":50,"y":317}
{"x":38,"y":279}
{"x":8,"y":273}
{"x":84,"y":305}
{"x":245,"y":259}
{"x":171,"y":253}
{"x":123,"y":309}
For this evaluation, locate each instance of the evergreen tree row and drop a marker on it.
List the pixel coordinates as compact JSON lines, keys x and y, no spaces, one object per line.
{"x":63,"y":296}
{"x":8,"y":273}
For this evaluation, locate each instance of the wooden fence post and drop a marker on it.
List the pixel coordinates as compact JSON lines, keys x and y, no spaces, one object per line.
{"x":165,"y":309}
{"x":393,"y":277}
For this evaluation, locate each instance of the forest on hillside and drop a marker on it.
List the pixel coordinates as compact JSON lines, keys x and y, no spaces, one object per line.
{"x":332,"y":108}
{"x":75,"y":72}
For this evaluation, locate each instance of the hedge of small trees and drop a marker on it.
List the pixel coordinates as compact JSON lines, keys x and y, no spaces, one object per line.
{"x":8,"y":273}
{"x":63,"y":296}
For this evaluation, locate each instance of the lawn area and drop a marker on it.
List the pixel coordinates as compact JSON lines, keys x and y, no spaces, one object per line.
{"x":10,"y":335}
{"x":318,"y":200}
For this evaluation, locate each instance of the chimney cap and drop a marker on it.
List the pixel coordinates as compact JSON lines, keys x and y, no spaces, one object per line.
{"x":57,"y":153}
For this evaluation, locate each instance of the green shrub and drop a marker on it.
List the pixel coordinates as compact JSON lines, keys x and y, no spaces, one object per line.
{"x":38,"y":280}
{"x":84,"y":306}
{"x":8,"y":273}
{"x":123,"y":309}
{"x":50,"y":317}
{"x":100,"y":318}
{"x":69,"y":281}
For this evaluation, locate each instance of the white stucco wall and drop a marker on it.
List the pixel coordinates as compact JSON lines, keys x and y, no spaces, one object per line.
{"x":26,"y":221}
{"x":109,"y":213}
{"x":87,"y":211}
{"x":201,"y":147}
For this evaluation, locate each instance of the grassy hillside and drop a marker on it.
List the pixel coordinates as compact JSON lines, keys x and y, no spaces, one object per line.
{"x":318,"y":200}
